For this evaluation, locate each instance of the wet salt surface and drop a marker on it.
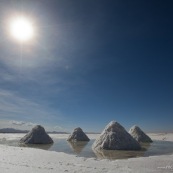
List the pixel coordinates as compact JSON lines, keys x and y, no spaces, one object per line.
{"x":84,"y":149}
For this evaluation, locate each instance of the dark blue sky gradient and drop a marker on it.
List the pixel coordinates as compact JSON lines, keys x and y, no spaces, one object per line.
{"x":91,"y":62}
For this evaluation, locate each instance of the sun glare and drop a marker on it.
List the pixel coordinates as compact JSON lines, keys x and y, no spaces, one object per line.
{"x":21,"y":29}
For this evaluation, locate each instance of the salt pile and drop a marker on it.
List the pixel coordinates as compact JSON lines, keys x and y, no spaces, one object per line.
{"x":78,"y":135}
{"x":37,"y":136}
{"x":115,"y":137}
{"x":139,"y":135}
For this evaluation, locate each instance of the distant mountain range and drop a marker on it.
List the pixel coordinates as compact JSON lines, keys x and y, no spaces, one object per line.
{"x":11,"y":130}
{"x":54,"y":132}
{"x":92,"y":132}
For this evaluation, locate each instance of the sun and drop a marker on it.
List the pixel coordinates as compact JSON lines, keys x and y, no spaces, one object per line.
{"x":21,"y":29}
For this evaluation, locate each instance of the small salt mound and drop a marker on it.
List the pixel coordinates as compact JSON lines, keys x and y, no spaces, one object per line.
{"x":115,"y":137}
{"x":139,"y":135}
{"x":78,"y":135}
{"x":37,"y":136}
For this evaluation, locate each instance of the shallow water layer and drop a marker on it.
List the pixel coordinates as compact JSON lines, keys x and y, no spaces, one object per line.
{"x":84,"y":149}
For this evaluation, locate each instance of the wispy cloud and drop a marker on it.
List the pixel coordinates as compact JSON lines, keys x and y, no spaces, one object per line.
{"x":59,"y":128}
{"x":18,"y":123}
{"x":22,"y":123}
{"x":22,"y":110}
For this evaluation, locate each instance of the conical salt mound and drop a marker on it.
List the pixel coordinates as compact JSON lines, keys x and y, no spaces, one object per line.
{"x":115,"y":137}
{"x":78,"y":135}
{"x":37,"y":136}
{"x":139,"y":135}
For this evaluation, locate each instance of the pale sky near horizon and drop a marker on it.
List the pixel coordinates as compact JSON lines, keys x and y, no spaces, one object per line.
{"x":89,"y":62}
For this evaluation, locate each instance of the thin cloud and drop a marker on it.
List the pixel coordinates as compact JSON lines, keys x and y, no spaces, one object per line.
{"x":18,"y":123}
{"x":13,"y":106}
{"x":22,"y":123}
{"x":60,"y":128}
{"x":30,"y":124}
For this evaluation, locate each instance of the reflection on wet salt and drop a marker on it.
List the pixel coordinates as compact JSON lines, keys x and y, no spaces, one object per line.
{"x":120,"y":154}
{"x":84,"y":149}
{"x":77,"y":147}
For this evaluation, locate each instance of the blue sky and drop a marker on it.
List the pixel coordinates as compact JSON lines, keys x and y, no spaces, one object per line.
{"x":90,"y":62}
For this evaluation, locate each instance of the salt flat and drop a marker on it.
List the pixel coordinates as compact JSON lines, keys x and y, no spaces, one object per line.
{"x":29,"y":160}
